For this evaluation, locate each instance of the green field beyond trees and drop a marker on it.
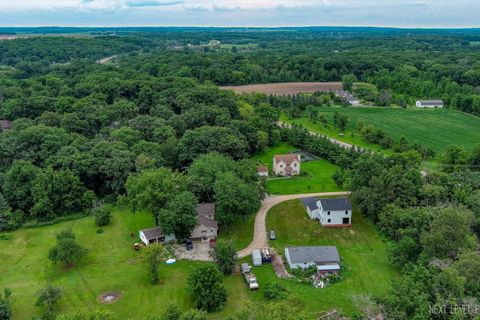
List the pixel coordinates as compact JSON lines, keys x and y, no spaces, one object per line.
{"x":435,"y":129}
{"x":317,"y":178}
{"x":362,"y":250}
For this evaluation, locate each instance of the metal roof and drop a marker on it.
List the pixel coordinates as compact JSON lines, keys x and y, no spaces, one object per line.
{"x":315,"y":254}
{"x":431,"y":102}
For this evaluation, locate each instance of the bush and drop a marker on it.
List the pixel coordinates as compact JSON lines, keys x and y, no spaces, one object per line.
{"x":99,"y":230}
{"x":102,"y":215}
{"x":275,"y":291}
{"x":5,"y":236}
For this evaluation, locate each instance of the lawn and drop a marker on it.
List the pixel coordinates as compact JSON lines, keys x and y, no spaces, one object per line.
{"x":362,"y":249}
{"x":240,"y":232}
{"x":435,"y":129}
{"x":111,"y":265}
{"x":318,"y":176}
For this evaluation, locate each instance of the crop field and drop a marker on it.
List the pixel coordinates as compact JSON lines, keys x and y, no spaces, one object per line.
{"x":317,"y":175}
{"x":435,"y":129}
{"x":287,"y":88}
{"x":366,"y":268}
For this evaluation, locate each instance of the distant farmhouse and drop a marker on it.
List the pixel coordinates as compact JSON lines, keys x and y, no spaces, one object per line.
{"x":262,"y":171}
{"x":429,"y":104}
{"x":325,"y":258}
{"x":286,"y":164}
{"x":5,"y":125}
{"x":206,"y":229}
{"x":335,"y":212}
{"x":347,"y":97}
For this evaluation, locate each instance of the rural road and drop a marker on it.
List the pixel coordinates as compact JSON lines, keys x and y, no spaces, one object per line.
{"x":260,"y":232}
{"x":337,"y":142}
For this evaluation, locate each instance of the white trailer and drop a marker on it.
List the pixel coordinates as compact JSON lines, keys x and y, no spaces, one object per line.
{"x":256,"y":258}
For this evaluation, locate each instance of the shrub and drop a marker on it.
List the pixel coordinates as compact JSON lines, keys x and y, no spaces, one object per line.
{"x":5,"y":236}
{"x":103,"y":215}
{"x":275,"y":291}
{"x":225,"y":256}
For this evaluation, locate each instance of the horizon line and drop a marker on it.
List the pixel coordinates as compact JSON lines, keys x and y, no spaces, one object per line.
{"x":244,"y":26}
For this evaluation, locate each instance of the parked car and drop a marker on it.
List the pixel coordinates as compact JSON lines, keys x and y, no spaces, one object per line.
{"x":272,"y":235}
{"x":189,"y":244}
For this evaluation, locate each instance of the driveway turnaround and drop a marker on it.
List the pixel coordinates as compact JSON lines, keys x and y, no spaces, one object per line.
{"x":260,"y":232}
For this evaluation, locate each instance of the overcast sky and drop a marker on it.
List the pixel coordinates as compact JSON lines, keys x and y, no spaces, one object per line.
{"x":396,"y":13}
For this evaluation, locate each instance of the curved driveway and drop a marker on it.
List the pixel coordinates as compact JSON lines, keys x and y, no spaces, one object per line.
{"x":260,"y":232}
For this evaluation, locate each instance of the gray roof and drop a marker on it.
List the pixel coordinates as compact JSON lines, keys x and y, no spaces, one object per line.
{"x":256,"y":253}
{"x":206,"y":209}
{"x":152,"y":233}
{"x":5,"y":124}
{"x":310,"y":202}
{"x":204,"y":221}
{"x":316,"y":254}
{"x":336,"y":204}
{"x":431,"y":102}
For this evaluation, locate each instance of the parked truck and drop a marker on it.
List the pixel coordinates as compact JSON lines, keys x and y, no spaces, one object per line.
{"x":249,"y":277}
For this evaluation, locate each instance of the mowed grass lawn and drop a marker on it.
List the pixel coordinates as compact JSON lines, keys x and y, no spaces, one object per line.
{"x":362,"y":249}
{"x":435,"y":129}
{"x":318,"y":176}
{"x":111,"y":265}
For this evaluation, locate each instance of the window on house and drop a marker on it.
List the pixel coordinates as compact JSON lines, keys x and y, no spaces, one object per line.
{"x":346,"y":211}
{"x":295,"y":165}
{"x":329,"y":220}
{"x":328,"y":212}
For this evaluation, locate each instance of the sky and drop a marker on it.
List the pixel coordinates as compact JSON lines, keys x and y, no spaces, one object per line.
{"x":268,"y":13}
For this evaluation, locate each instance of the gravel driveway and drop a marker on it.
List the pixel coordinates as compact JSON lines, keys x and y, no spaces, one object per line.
{"x":260,"y":233}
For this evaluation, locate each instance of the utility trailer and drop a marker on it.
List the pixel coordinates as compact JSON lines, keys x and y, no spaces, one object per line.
{"x":249,"y":277}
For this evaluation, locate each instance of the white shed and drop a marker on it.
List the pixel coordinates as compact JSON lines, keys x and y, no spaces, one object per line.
{"x":256,"y":258}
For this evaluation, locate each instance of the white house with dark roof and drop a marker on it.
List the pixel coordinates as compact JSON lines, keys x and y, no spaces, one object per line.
{"x":335,"y":212}
{"x":286,"y":164}
{"x":325,"y":258}
{"x":429,"y":104}
{"x":207,"y":226}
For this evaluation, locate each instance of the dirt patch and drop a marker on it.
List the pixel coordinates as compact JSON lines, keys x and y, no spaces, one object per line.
{"x":109,"y":297}
{"x":287,"y":88}
{"x":278,"y":266}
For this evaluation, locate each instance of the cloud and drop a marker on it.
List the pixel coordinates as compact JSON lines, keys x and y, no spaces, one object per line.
{"x":416,"y":13}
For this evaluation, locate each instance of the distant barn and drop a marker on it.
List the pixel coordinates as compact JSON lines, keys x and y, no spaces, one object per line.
{"x":429,"y":104}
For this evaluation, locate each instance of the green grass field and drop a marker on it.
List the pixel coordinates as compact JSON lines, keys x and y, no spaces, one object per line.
{"x":362,"y":249}
{"x":111,"y":265}
{"x":318,"y":178}
{"x":435,"y":129}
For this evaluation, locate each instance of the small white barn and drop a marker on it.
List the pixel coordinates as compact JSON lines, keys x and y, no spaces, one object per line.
{"x":286,"y":164}
{"x":429,"y":104}
{"x":325,"y":258}
{"x":155,"y":235}
{"x":336,"y":212}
